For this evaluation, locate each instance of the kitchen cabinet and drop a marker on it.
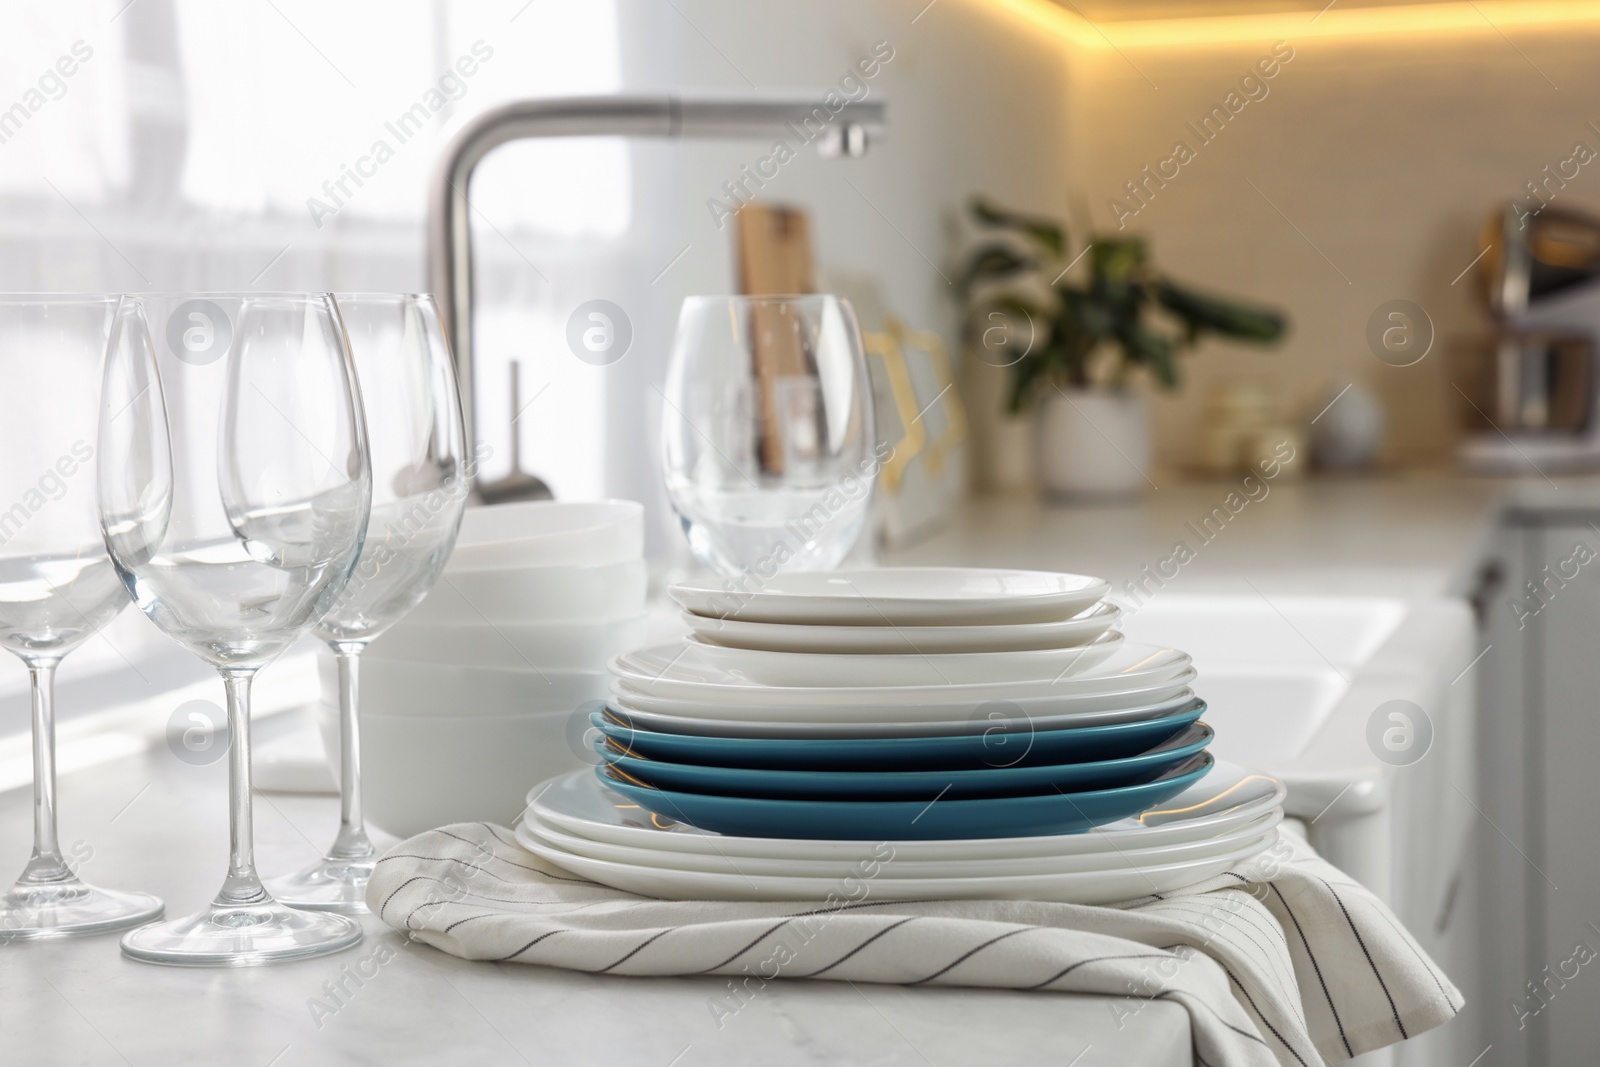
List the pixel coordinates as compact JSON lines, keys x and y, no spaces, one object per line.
{"x":1554,"y":606}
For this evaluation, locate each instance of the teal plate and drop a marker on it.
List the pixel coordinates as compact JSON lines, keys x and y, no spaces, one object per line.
{"x":910,"y":785}
{"x":910,"y":820}
{"x":1003,"y":742}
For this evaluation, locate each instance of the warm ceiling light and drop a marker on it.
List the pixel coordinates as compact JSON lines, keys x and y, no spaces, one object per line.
{"x":1481,"y":16}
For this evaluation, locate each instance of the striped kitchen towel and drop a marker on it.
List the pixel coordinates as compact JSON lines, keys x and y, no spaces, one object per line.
{"x":1283,"y":960}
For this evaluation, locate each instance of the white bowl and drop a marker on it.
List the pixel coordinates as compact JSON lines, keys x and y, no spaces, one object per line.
{"x":420,"y":773}
{"x":548,"y":532}
{"x":607,"y":592}
{"x":562,"y":646}
{"x":437,"y":690}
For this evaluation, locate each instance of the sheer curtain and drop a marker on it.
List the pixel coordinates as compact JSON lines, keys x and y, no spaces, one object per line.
{"x":189,"y":144}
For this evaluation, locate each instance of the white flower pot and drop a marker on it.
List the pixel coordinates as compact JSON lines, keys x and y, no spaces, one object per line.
{"x":1093,"y":443}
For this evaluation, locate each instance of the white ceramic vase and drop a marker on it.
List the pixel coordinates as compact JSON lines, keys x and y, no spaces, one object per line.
{"x":1093,"y":443}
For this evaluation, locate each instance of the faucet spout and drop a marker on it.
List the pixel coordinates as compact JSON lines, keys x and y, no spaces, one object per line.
{"x":843,"y":132}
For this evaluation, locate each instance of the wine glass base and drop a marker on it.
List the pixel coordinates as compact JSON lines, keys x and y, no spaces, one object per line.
{"x":241,"y":937}
{"x":338,"y":885}
{"x":37,"y":911}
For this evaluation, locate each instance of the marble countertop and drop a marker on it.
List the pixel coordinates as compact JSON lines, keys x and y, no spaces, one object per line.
{"x":157,"y":824}
{"x":151,"y":822}
{"x":1404,"y":534}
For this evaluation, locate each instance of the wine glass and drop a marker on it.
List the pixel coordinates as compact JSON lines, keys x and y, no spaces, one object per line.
{"x":57,"y":585}
{"x":419,"y":489}
{"x":234,"y":495}
{"x":767,"y":432}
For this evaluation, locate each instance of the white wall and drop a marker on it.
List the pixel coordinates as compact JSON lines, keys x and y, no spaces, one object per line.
{"x":975,"y":103}
{"x":1387,"y":152}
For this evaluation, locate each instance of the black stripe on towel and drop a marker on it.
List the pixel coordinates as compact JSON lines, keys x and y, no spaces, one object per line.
{"x":1247,"y":928}
{"x":861,"y":904}
{"x":970,"y":953}
{"x":892,"y":926}
{"x":1260,"y":1015}
{"x":768,"y":932}
{"x":640,"y":947}
{"x":1370,"y":962}
{"x":469,"y":918}
{"x":1063,"y":972}
{"x":496,"y":856}
{"x":1315,"y":966}
{"x":1178,"y":995}
{"x":465,"y":863}
{"x":524,"y":948}
{"x":1427,"y":964}
{"x":457,"y":889}
{"x":402,"y":885}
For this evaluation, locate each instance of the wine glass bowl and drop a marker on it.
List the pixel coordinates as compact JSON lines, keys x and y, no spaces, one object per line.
{"x":414,"y":439}
{"x":767,"y":432}
{"x":417,"y":455}
{"x":234,"y":491}
{"x":237,"y":541}
{"x":57,"y":585}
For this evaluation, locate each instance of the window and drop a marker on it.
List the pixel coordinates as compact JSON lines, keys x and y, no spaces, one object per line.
{"x":186,"y":146}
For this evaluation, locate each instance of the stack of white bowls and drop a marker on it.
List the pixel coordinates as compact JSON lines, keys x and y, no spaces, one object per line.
{"x":469,"y":697}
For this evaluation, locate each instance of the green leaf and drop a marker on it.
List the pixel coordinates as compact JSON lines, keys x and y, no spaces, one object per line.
{"x":992,"y":262}
{"x":1110,"y":308}
{"x":1087,"y":314}
{"x":1201,"y":312}
{"x":1116,"y":260}
{"x":1048,"y":234}
{"x":1155,"y":351}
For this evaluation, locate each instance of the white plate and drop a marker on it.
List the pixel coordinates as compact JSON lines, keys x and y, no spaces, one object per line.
{"x":1075,"y":887}
{"x":685,"y":671}
{"x":799,"y":637}
{"x":892,"y":865}
{"x":934,"y":668}
{"x":925,"y":704}
{"x":899,"y":596}
{"x":1053,"y":713}
{"x":1224,"y":800}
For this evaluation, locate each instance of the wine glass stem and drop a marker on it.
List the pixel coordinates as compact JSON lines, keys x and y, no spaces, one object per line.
{"x":243,"y":886}
{"x":46,"y":864}
{"x":352,"y":842}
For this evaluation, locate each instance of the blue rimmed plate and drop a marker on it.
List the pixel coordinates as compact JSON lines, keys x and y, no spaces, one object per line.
{"x":910,"y":820}
{"x":1006,"y":741}
{"x":910,"y":785}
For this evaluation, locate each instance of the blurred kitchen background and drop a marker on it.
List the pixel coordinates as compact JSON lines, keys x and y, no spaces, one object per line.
{"x":1431,"y":161}
{"x":185,"y":151}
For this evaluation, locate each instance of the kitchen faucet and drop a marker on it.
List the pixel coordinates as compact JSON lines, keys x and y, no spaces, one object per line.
{"x":841,"y":132}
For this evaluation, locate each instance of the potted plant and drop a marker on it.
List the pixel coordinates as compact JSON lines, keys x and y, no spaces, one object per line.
{"x":1075,"y":350}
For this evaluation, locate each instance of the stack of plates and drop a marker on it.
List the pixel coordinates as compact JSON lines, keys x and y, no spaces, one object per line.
{"x":597,"y":832}
{"x":908,"y":705}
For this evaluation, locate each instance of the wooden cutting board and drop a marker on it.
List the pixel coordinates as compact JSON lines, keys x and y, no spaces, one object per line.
{"x":773,"y":248}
